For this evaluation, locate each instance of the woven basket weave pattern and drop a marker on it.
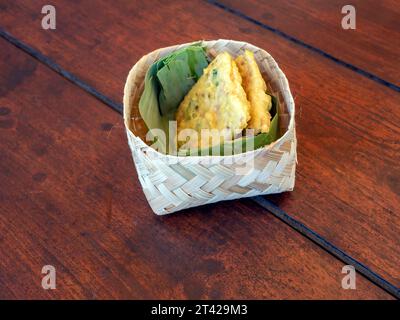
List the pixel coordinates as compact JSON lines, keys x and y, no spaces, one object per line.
{"x":173,"y":183}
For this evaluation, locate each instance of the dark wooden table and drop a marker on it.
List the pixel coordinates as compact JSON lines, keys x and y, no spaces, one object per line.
{"x":69,"y":193}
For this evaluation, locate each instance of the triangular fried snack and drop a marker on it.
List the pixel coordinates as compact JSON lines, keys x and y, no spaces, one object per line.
{"x":217,"y":101}
{"x":255,"y":87}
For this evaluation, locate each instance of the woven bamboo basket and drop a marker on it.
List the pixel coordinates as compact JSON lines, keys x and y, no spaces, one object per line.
{"x":172,"y":183}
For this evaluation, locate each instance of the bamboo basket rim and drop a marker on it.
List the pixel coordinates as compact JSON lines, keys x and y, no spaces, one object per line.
{"x":127,"y":107}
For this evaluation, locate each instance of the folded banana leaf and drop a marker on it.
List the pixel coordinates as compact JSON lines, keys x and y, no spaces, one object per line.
{"x":166,"y":83}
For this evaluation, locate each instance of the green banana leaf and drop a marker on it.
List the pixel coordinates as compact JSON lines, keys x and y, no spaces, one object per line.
{"x":167,"y":81}
{"x":243,"y":144}
{"x":177,"y":77}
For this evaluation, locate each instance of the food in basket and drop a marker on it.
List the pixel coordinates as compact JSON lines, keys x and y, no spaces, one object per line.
{"x":215,"y":102}
{"x":263,"y":161}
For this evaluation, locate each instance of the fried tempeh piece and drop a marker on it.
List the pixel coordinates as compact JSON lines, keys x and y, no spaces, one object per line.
{"x":216,"y":101}
{"x":255,"y":88}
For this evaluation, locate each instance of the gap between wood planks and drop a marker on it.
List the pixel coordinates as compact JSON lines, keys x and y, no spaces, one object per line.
{"x":303,"y":44}
{"x":259,"y":200}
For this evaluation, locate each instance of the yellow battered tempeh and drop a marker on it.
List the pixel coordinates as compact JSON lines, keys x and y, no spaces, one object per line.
{"x":255,"y":87}
{"x":216,"y":101}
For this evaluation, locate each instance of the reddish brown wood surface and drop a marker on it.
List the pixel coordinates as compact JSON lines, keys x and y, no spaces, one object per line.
{"x":70,"y":198}
{"x":373,"y":46}
{"x":347,"y":186}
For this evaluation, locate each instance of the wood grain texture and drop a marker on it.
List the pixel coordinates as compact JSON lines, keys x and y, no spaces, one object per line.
{"x":70,"y":198}
{"x":348,"y":175}
{"x":373,"y":46}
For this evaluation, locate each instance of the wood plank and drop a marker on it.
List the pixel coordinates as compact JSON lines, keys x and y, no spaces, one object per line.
{"x":373,"y":46}
{"x":347,"y":179}
{"x":70,"y":198}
